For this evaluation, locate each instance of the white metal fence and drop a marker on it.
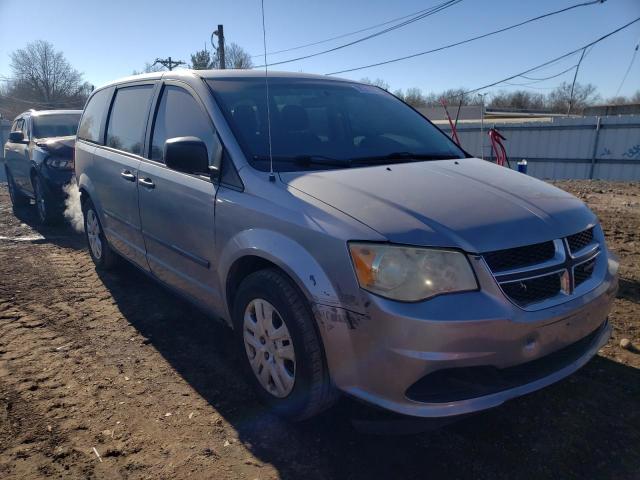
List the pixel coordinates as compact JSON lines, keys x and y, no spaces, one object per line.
{"x":606,"y":148}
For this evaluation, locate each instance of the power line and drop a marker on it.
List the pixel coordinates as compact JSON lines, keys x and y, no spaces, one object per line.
{"x":348,"y":34}
{"x":633,"y":58}
{"x":536,"y":80}
{"x":549,"y":62}
{"x":575,"y":77}
{"x":468,"y":40}
{"x":431,"y":11}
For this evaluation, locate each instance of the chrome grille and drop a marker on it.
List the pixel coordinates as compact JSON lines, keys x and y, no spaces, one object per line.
{"x":511,"y":258}
{"x":582,"y":272}
{"x":532,"y":290}
{"x":580,"y":240}
{"x":539,"y":275}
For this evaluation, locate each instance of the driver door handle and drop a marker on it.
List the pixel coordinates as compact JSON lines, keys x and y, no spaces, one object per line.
{"x":127,"y":175}
{"x":146,"y":182}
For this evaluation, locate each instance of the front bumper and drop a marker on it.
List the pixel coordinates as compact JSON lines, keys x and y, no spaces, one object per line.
{"x":380,"y":355}
{"x":54,"y":182}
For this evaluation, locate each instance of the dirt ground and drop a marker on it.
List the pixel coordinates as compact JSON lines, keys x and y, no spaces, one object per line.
{"x":116,"y":366}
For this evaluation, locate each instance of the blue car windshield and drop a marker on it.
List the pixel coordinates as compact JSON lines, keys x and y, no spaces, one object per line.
{"x":56,"y":125}
{"x":318,"y":124}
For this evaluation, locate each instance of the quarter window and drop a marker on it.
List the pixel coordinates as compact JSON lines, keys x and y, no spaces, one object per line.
{"x":89,"y":128}
{"x":128,"y":118}
{"x":180,"y":115}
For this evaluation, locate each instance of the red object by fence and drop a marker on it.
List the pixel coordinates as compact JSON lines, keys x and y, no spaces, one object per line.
{"x":497,"y":147}
{"x":454,"y":132}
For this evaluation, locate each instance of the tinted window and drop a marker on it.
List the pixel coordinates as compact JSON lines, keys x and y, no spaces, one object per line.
{"x":180,"y":115}
{"x":89,"y":128}
{"x":55,"y":125}
{"x":344,"y":123}
{"x":17,"y":125}
{"x":128,"y":118}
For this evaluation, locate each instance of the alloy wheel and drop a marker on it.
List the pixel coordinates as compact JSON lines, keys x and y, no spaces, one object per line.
{"x":269,"y":347}
{"x":12,"y":188}
{"x":93,"y":234}
{"x":40,"y":201}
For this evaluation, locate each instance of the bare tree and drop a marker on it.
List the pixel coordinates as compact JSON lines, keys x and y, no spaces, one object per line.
{"x":44,"y":74}
{"x":622,"y":100}
{"x":378,"y":82}
{"x":150,"y":68}
{"x":583,"y":95}
{"x":234,"y":57}
{"x":415,"y":97}
{"x":519,"y":99}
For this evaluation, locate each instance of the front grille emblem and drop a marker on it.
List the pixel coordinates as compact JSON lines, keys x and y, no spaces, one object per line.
{"x":565,"y":282}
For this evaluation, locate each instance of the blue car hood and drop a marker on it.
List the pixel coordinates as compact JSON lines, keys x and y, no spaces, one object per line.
{"x":468,"y":203}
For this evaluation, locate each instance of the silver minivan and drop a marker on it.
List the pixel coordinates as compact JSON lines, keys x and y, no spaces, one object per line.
{"x":348,"y":241}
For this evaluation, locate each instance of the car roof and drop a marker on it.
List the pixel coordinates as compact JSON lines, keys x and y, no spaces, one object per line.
{"x":38,"y":113}
{"x":220,"y":74}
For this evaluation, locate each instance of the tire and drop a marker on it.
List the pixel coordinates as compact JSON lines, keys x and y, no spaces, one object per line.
{"x":311,"y":391}
{"x":99,"y":249}
{"x":18,"y":199}
{"x":48,"y":212}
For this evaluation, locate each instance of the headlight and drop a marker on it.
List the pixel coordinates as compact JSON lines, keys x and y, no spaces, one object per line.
{"x":60,"y":163}
{"x":408,"y":273}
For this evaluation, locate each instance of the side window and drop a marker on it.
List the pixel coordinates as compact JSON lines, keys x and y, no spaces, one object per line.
{"x":25,"y":127}
{"x":17,"y":125}
{"x":128,"y":118}
{"x":89,"y":128}
{"x":180,"y":115}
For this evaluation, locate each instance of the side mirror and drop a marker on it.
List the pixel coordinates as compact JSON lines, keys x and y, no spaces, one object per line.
{"x":16,"y":137}
{"x":186,"y":154}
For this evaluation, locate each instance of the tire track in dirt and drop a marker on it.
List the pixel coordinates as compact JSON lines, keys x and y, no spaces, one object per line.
{"x":87,"y":349}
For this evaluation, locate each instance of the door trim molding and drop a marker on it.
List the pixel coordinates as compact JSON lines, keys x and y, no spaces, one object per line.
{"x":203,"y":262}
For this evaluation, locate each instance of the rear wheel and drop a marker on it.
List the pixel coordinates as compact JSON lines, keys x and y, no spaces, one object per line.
{"x":283,"y":353}
{"x":101,"y":253}
{"x":48,"y":213}
{"x":18,"y":199}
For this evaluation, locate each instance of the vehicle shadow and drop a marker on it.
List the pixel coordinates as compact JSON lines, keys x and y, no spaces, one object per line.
{"x":61,"y":234}
{"x":629,"y":290}
{"x":585,"y":426}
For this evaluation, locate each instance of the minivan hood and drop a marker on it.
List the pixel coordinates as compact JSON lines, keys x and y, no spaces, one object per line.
{"x":468,"y":203}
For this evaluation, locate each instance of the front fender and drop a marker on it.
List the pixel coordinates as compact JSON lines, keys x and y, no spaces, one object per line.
{"x":85,"y":185}
{"x":288,"y":255}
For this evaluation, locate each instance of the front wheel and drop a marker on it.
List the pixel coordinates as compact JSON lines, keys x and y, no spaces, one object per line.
{"x":18,"y":199}
{"x":283,"y":353}
{"x":48,"y":212}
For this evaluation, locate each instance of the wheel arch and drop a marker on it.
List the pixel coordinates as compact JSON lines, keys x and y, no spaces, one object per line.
{"x":256,"y":249}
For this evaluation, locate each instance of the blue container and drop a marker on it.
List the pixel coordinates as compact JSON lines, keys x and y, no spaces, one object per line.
{"x":522,"y":166}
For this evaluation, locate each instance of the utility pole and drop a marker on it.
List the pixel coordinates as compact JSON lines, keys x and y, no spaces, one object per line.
{"x":168,"y":62}
{"x":220,"y":34}
{"x":573,"y":84}
{"x":482,"y":95}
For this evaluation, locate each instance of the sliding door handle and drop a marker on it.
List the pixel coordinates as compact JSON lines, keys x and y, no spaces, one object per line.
{"x":127,"y":175}
{"x":146,"y":182}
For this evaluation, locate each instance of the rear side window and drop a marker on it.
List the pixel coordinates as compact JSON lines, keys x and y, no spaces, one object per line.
{"x":89,"y":128}
{"x":180,"y":115}
{"x":17,"y":125}
{"x":128,"y":118}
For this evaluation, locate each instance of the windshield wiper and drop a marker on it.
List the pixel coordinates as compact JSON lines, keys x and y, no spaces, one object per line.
{"x":308,"y":160}
{"x":399,"y":157}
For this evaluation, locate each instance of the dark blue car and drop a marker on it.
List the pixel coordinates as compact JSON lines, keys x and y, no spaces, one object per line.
{"x":39,"y":160}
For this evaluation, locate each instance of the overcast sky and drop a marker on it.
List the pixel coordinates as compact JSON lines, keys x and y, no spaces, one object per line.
{"x":109,"y":39}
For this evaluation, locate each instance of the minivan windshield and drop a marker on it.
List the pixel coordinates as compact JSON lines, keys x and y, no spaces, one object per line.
{"x":57,"y":125}
{"x":318,"y":124}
